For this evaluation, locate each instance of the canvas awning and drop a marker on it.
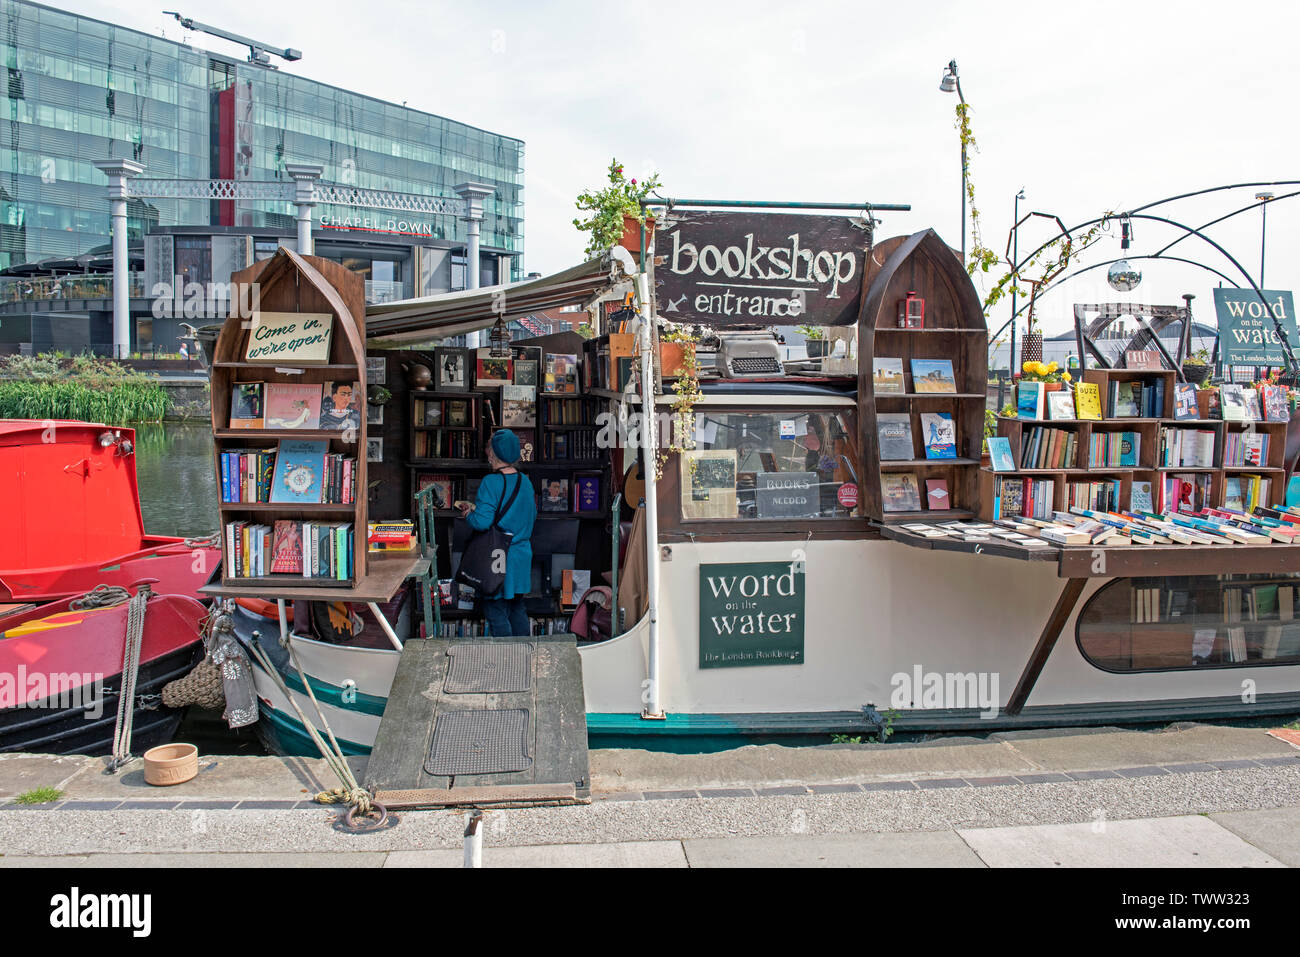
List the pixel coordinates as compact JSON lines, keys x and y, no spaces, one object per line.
{"x":454,"y":313}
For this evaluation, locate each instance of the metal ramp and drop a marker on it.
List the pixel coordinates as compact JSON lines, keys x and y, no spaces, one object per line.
{"x":488,"y":722}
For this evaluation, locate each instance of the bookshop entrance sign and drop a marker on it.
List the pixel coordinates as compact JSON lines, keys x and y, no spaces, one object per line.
{"x":1247,"y":335}
{"x":730,"y":268}
{"x":751,"y":613}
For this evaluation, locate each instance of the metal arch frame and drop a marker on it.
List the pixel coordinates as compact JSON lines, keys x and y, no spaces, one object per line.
{"x":1293,"y":367}
{"x":335,"y":194}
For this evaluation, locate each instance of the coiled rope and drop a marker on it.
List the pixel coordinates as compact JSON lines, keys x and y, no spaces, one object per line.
{"x":101,"y":596}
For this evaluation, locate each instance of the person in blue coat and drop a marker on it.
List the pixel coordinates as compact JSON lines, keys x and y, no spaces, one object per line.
{"x":504,"y":611}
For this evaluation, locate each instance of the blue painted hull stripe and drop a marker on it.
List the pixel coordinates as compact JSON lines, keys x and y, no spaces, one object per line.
{"x":294,"y":739}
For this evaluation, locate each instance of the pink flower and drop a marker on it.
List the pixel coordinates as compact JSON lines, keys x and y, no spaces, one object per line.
{"x":633,"y":182}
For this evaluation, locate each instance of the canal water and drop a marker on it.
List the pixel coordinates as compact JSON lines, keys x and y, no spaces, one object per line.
{"x":178,"y":488}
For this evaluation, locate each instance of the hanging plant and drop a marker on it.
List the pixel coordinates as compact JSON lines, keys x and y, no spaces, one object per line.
{"x":607,"y":207}
{"x":686,"y":393}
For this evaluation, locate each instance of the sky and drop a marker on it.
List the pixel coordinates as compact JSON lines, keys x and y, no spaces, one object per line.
{"x":1090,"y":108}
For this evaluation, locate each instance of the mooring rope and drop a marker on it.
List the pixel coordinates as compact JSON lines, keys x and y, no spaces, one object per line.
{"x":136,"y":610}
{"x":101,"y":596}
{"x":351,"y":792}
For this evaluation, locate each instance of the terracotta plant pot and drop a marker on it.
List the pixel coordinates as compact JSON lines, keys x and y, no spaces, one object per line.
{"x":671,"y":357}
{"x":170,"y":764}
{"x":1053,"y":386}
{"x":631,"y":240}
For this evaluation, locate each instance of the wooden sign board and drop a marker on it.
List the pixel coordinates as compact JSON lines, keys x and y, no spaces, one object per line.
{"x":767,"y":269}
{"x":788,"y":495}
{"x":289,"y":338}
{"x":751,"y":614}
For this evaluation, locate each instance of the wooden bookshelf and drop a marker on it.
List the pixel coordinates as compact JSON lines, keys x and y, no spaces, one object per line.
{"x":954,"y":329}
{"x":1150,"y":466}
{"x":291,"y":283}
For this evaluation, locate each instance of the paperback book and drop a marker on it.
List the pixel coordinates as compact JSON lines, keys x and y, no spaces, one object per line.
{"x":292,"y":405}
{"x":887,"y":375}
{"x":900,"y":492}
{"x":299,"y":472}
{"x":894,"y":430}
{"x":940,"y":435}
{"x":246,"y":405}
{"x":932,"y":376}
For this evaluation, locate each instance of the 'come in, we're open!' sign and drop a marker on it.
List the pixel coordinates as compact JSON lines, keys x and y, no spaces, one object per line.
{"x":289,"y":338}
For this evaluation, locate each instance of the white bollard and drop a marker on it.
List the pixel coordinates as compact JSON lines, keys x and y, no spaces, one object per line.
{"x":474,"y":839}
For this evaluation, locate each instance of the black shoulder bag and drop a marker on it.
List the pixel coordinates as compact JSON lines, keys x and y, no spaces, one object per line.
{"x":483,"y":563}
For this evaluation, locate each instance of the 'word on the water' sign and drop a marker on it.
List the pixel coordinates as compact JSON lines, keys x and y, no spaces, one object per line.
{"x":768,"y":269}
{"x":289,"y":337}
{"x":751,"y":613}
{"x":1247,"y":335}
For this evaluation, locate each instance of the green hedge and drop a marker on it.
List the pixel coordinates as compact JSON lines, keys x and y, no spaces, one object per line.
{"x":114,"y":405}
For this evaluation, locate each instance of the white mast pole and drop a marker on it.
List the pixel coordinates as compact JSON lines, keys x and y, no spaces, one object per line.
{"x":649,"y":440}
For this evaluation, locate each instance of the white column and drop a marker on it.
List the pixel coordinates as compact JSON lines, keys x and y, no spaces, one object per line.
{"x":473,"y":194}
{"x":304,"y":176}
{"x":119,"y":173}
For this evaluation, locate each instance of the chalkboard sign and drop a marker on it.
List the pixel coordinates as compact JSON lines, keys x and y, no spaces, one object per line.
{"x":769,"y":269}
{"x":788,"y":495}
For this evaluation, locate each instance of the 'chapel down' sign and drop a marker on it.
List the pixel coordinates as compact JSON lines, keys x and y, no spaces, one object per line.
{"x":290,"y":338}
{"x":767,"y":269}
{"x":751,"y":613}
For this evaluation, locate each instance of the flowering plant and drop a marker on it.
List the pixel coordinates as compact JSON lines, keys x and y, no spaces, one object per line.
{"x":607,"y":207}
{"x":1044,"y":372}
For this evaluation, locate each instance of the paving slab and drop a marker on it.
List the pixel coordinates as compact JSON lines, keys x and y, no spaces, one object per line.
{"x":1188,"y":841}
{"x":162,"y":859}
{"x":1275,"y":831}
{"x":24,"y":772}
{"x":1127,"y":749}
{"x":623,"y":854}
{"x":915,"y":849}
{"x":776,"y":765}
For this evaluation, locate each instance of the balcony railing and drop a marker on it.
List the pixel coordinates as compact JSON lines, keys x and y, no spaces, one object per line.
{"x":382,"y":290}
{"x":22,"y":289}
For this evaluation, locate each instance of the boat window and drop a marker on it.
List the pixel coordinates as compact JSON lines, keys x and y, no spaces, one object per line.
{"x":1199,"y":621}
{"x":780,"y":464}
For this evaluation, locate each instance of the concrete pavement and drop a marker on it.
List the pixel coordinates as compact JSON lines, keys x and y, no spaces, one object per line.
{"x":1193,"y":795}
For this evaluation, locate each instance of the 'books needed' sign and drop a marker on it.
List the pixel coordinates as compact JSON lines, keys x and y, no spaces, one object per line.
{"x":769,"y":269}
{"x":751,"y":614}
{"x":1247,"y":336}
{"x":290,"y":338}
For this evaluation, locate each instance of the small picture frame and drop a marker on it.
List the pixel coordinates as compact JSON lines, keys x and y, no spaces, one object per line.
{"x":376,"y":370}
{"x":493,"y":371}
{"x":451,"y":372}
{"x":374,"y":449}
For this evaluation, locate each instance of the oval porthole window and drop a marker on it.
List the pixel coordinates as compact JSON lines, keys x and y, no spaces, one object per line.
{"x":1195,"y":621}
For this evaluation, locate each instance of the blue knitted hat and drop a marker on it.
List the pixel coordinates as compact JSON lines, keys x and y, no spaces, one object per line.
{"x":505,"y":446}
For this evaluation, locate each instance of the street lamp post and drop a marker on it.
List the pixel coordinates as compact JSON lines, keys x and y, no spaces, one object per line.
{"x":1263,"y":231}
{"x":951,"y":82}
{"x":1015,"y":258}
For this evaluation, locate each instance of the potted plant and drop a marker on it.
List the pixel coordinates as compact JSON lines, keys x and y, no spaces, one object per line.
{"x":1207,"y":401}
{"x":814,"y":341}
{"x":1196,"y":367}
{"x":990,"y":430}
{"x":674,"y":346}
{"x":615,"y":213}
{"x":1050,"y":373}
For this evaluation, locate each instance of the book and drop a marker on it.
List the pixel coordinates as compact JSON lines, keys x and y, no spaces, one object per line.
{"x":933,"y":375}
{"x":342,"y":406}
{"x":900,"y":492}
{"x":1030,"y":400}
{"x":526,"y":372}
{"x":527,"y":444}
{"x":586,"y":492}
{"x":1000,"y":454}
{"x":894,"y":430}
{"x":292,"y":405}
{"x":286,"y":548}
{"x":1060,"y":405}
{"x":554,"y":495}
{"x":299,"y":472}
{"x":458,"y":413}
{"x":1140,"y":497}
{"x":451,"y":369}
{"x":1185,"y":401}
{"x":936,"y":494}
{"x":1087,"y":401}
{"x":246,"y":405}
{"x":493,"y":371}
{"x":940,"y":435}
{"x":1275,"y":404}
{"x":518,"y":406}
{"x":1125,"y":399}
{"x":1254,"y":411}
{"x":1232,"y":402}
{"x":561,"y":374}
{"x":887,"y":375}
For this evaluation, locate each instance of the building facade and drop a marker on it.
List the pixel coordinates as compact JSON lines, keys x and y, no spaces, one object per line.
{"x":78,"y":90}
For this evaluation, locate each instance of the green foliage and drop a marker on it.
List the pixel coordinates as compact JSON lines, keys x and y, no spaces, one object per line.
{"x":990,"y":423}
{"x":85,"y":388}
{"x":811,"y":332}
{"x":45,"y":795}
{"x":887,"y":731}
{"x":607,"y":207}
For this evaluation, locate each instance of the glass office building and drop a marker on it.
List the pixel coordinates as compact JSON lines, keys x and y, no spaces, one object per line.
{"x":78,"y":90}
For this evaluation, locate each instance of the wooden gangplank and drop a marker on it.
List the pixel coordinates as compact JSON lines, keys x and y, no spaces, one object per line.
{"x":556,"y":732}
